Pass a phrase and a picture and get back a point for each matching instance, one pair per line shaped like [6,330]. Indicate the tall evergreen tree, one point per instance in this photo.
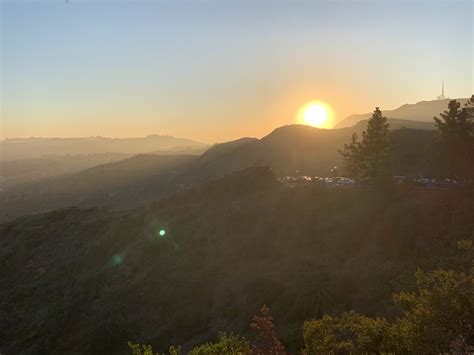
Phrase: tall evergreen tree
[351,153]
[456,135]
[376,144]
[370,157]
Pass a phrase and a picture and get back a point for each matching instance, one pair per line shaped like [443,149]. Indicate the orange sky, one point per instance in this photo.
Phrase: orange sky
[215,71]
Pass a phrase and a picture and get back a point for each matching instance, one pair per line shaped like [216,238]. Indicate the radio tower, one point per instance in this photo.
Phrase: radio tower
[442,97]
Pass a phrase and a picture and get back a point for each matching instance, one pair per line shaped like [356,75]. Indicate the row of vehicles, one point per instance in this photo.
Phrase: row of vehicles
[344,181]
[339,181]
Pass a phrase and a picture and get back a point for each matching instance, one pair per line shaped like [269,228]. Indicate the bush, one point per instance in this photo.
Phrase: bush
[227,345]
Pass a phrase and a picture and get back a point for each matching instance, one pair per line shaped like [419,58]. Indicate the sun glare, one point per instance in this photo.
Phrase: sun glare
[316,114]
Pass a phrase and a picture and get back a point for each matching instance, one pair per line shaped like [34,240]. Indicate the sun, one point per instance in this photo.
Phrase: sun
[316,114]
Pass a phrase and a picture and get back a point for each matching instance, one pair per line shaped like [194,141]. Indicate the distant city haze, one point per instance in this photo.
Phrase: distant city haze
[215,71]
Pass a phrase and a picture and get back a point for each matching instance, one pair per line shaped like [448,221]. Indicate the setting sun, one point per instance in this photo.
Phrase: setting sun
[316,114]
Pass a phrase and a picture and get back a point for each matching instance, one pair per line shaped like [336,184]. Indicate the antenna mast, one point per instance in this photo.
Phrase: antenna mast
[442,97]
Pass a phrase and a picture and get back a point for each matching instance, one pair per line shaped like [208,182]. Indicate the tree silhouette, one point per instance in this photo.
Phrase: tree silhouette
[351,153]
[456,135]
[369,158]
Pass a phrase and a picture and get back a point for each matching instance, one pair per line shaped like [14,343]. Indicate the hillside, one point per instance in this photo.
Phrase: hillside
[123,184]
[423,111]
[87,280]
[304,150]
[23,148]
[397,123]
[288,150]
[15,172]
[221,149]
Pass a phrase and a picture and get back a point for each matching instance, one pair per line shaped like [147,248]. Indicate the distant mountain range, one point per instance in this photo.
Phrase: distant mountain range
[23,148]
[423,111]
[416,116]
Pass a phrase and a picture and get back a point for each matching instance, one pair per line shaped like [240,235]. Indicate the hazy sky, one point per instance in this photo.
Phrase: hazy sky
[219,70]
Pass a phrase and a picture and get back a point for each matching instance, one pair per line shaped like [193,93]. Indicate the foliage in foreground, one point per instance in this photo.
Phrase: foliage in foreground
[437,318]
[352,332]
[227,344]
[266,341]
[139,349]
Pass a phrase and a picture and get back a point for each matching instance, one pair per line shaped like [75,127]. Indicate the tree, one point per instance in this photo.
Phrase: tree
[456,135]
[139,349]
[351,153]
[351,333]
[266,342]
[370,157]
[439,318]
[376,144]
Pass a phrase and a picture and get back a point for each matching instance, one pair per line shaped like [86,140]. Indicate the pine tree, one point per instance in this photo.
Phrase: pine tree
[376,145]
[351,153]
[370,157]
[456,135]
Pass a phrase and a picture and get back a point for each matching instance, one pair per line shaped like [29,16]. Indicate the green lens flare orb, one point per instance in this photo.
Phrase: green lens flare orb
[117,259]
[162,232]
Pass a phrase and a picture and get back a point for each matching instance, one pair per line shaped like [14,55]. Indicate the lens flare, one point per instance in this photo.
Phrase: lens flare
[117,259]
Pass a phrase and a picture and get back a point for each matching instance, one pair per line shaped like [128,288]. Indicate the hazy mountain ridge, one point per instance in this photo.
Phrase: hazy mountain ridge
[221,149]
[137,170]
[124,184]
[15,172]
[302,150]
[398,123]
[21,148]
[423,111]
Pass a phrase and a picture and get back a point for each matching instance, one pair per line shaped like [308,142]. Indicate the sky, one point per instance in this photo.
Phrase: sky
[220,70]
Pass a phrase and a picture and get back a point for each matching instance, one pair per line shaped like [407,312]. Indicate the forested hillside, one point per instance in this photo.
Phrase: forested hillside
[205,260]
